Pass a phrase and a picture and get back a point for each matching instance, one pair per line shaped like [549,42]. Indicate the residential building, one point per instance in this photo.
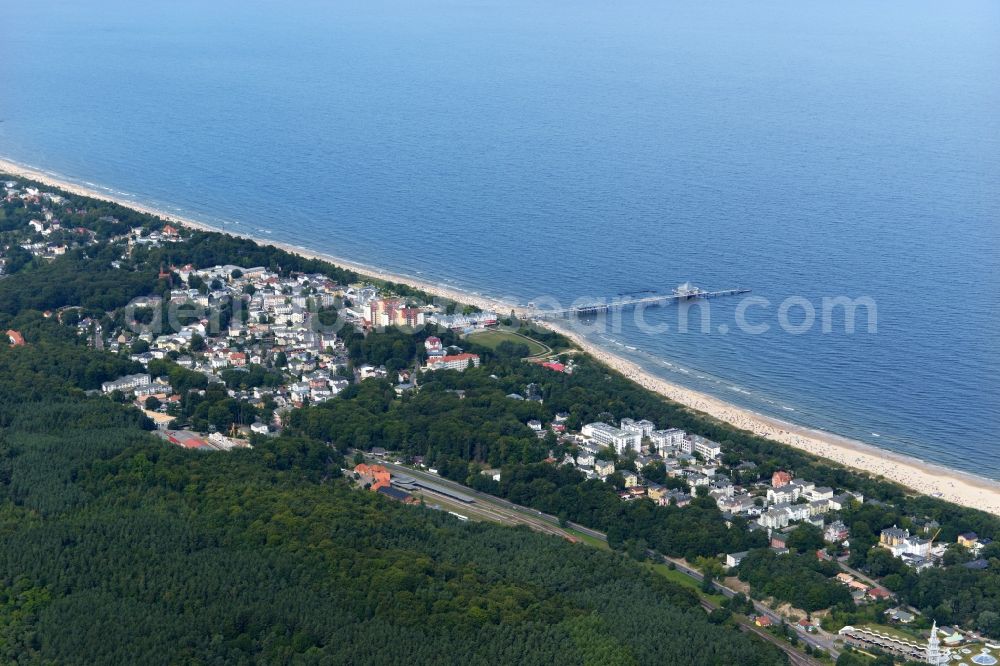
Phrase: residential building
[678,497]
[789,492]
[781,515]
[736,504]
[774,519]
[901,543]
[968,539]
[779,540]
[780,478]
[667,441]
[609,435]
[393,312]
[604,467]
[706,448]
[455,362]
[835,532]
[642,428]
[656,492]
[460,322]
[820,493]
[127,383]
[899,615]
[893,536]
[434,346]
[734,559]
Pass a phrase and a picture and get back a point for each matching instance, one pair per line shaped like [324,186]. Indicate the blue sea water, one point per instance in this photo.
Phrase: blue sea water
[546,148]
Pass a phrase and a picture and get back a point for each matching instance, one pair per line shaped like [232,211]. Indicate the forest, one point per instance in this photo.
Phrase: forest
[116,547]
[460,434]
[458,422]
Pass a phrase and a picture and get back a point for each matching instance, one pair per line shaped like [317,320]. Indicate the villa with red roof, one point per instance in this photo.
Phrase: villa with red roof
[455,362]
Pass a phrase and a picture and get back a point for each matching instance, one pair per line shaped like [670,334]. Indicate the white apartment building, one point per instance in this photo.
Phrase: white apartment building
[667,440]
[611,436]
[706,448]
[126,383]
[642,428]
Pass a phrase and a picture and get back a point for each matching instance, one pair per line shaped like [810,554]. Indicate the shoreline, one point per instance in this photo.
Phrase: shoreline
[922,477]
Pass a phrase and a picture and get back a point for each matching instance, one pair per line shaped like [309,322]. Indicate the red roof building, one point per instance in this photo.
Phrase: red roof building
[434,346]
[455,362]
[552,365]
[376,475]
[780,478]
[16,339]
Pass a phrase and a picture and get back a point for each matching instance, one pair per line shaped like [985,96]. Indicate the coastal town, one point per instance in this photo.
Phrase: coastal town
[225,355]
[500,334]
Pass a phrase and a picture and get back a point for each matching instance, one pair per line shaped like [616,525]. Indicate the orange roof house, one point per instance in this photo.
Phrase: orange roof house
[879,593]
[780,478]
[16,339]
[378,475]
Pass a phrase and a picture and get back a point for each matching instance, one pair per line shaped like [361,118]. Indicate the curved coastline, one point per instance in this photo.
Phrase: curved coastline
[926,478]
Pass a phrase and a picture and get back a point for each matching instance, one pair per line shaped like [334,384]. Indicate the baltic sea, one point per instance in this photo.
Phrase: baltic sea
[585,149]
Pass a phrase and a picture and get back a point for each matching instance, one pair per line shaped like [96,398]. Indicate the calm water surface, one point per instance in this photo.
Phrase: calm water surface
[566,149]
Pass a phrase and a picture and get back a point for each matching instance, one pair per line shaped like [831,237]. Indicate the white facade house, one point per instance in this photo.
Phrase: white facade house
[780,516]
[793,491]
[609,435]
[667,440]
[126,383]
[706,448]
[734,559]
[901,543]
[642,428]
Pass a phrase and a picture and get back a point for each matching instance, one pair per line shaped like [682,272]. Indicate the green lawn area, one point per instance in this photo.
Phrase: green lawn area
[683,579]
[587,539]
[892,631]
[492,338]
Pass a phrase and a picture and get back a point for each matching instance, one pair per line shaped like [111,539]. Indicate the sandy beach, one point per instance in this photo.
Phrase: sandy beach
[958,487]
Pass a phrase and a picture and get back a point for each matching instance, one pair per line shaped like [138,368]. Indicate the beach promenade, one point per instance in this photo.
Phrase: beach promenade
[965,489]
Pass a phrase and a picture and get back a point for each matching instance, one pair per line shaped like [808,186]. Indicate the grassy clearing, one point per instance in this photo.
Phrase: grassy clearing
[493,338]
[893,631]
[587,539]
[683,579]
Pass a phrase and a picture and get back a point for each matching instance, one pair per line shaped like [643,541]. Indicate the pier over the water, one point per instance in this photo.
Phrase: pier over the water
[685,292]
